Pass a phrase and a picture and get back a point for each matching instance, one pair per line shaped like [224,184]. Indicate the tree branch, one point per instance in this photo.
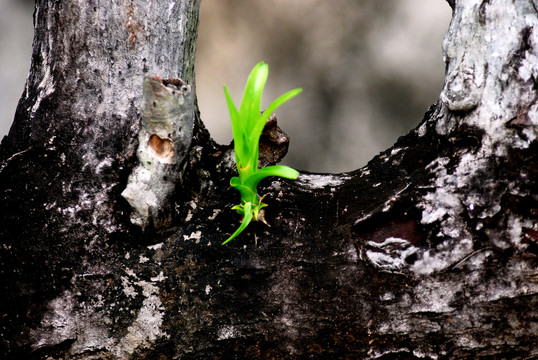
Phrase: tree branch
[430,251]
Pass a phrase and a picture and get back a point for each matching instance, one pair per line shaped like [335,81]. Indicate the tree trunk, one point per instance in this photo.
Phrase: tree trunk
[430,251]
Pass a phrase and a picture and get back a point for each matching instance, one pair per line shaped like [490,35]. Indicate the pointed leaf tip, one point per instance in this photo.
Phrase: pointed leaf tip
[246,220]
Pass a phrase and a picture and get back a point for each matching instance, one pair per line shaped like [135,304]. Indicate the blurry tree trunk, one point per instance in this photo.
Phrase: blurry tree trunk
[430,251]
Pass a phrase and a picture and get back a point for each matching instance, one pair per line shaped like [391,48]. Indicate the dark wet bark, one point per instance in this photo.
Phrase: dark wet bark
[430,251]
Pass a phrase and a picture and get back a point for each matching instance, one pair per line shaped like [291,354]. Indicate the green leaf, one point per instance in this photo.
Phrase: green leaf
[251,103]
[275,170]
[271,109]
[246,220]
[234,115]
[248,193]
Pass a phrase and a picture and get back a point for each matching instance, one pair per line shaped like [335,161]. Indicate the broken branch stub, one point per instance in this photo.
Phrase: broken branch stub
[164,140]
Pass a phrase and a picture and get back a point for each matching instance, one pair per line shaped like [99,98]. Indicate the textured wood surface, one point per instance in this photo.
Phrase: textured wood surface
[428,252]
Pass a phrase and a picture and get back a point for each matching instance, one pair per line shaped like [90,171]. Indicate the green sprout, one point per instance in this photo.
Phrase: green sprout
[247,127]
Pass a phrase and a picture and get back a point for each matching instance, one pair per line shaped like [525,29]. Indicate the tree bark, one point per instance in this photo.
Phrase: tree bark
[430,251]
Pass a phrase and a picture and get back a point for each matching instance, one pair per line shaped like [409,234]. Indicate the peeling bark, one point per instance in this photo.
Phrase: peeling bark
[430,251]
[164,141]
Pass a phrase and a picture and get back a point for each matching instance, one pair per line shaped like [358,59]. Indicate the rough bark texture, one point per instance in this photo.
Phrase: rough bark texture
[430,251]
[164,141]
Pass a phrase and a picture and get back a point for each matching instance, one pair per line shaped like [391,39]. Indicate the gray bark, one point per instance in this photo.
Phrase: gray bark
[164,141]
[430,251]
[66,161]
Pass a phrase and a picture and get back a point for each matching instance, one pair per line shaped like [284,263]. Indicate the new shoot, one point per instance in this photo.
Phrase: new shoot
[247,127]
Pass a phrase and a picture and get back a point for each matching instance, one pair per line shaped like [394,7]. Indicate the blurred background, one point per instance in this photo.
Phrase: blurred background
[369,69]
